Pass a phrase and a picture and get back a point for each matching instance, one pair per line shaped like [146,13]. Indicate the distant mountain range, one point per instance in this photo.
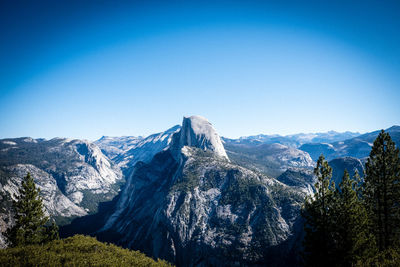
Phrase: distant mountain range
[358,147]
[185,194]
[294,140]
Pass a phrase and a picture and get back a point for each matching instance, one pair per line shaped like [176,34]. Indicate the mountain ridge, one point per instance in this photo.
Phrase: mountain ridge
[191,206]
[358,147]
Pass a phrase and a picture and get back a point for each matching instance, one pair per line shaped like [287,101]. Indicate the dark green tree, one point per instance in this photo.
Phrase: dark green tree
[352,240]
[382,191]
[52,232]
[30,218]
[317,212]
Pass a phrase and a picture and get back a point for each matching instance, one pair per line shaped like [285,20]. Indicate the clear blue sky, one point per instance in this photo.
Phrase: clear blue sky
[84,69]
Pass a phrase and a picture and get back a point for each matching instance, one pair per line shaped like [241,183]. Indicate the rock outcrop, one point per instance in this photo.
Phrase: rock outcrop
[73,175]
[191,206]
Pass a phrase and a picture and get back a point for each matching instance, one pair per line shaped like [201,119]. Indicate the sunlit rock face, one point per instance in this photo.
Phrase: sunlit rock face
[126,151]
[198,132]
[191,206]
[73,176]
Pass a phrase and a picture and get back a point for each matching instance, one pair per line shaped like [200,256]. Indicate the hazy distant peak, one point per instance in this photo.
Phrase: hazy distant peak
[393,128]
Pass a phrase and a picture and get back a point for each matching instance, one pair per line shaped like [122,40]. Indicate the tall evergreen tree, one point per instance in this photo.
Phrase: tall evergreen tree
[317,213]
[30,219]
[352,240]
[382,190]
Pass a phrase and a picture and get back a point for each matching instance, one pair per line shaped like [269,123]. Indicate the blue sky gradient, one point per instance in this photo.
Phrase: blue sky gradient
[84,69]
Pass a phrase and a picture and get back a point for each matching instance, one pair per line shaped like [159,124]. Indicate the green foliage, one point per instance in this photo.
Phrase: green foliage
[191,176]
[30,219]
[336,221]
[75,251]
[359,223]
[52,232]
[389,257]
[189,180]
[41,154]
[91,200]
[382,191]
[255,158]
[352,239]
[240,190]
[318,214]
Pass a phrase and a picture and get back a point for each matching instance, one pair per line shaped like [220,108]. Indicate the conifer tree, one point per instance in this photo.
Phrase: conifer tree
[352,240]
[52,232]
[382,190]
[30,219]
[317,212]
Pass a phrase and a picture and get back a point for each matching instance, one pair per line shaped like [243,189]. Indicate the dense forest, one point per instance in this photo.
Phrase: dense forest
[356,222]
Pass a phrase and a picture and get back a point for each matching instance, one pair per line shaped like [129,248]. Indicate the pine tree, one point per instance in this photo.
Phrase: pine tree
[352,240]
[317,212]
[52,232]
[382,192]
[30,219]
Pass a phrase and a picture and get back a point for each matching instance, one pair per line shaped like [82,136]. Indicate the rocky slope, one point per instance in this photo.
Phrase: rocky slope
[126,151]
[73,175]
[346,163]
[299,179]
[112,146]
[271,159]
[192,206]
[304,179]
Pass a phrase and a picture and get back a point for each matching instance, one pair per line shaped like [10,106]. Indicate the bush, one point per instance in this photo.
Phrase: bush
[78,250]
[388,257]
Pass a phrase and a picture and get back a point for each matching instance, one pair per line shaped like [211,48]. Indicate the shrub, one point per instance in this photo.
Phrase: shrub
[78,250]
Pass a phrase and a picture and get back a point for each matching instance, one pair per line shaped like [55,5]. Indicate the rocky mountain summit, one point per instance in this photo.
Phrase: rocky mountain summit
[198,132]
[192,206]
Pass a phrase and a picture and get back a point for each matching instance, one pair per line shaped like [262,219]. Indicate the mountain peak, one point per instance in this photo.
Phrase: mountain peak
[198,132]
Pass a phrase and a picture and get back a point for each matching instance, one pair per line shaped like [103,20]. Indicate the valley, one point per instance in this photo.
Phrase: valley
[185,195]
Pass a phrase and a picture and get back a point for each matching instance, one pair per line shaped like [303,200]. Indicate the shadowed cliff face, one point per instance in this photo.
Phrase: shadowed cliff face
[191,206]
[346,163]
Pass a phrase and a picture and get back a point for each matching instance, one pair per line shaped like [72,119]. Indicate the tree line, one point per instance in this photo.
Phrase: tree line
[355,223]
